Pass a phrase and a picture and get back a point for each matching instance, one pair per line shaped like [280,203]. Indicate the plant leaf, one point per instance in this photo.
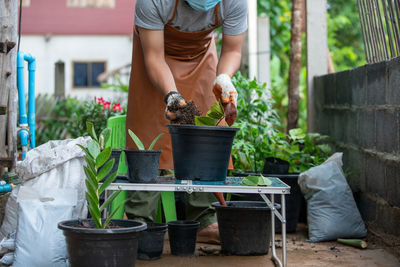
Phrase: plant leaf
[91,200]
[91,131]
[107,182]
[103,157]
[109,200]
[90,189]
[253,180]
[216,111]
[91,177]
[106,133]
[204,121]
[85,150]
[105,170]
[155,140]
[90,163]
[94,148]
[117,208]
[136,140]
[111,215]
[94,211]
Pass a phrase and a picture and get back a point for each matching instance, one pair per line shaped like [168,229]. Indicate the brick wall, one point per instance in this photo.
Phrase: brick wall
[360,109]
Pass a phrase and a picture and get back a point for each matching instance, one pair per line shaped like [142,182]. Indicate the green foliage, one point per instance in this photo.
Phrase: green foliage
[98,167]
[119,86]
[139,143]
[213,116]
[253,180]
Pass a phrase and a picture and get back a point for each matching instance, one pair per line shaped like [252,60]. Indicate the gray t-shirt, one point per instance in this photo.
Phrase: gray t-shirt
[154,14]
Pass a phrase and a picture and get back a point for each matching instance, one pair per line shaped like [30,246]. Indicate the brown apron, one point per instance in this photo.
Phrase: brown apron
[192,58]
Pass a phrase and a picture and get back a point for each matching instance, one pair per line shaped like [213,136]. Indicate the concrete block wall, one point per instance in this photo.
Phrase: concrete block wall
[360,109]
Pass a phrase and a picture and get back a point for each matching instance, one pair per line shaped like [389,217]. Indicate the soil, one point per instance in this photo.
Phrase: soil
[89,226]
[185,114]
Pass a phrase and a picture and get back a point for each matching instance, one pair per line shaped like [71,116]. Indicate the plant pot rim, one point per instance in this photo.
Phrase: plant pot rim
[137,151]
[183,223]
[266,207]
[156,227]
[201,127]
[67,226]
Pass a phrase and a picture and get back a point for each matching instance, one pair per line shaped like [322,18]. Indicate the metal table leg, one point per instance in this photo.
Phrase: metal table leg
[282,218]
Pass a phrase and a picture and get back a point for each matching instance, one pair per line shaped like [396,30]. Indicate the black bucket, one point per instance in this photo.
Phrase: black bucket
[89,247]
[182,237]
[151,241]
[276,166]
[244,227]
[115,154]
[201,152]
[142,165]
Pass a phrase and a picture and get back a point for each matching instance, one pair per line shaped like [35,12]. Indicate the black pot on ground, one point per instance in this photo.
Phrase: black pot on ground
[113,247]
[201,152]
[276,166]
[151,241]
[244,227]
[142,165]
[182,237]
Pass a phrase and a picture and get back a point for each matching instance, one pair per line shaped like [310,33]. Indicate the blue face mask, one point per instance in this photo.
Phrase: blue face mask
[203,5]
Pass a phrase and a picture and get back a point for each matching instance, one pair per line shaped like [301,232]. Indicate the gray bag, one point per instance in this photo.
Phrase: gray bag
[331,210]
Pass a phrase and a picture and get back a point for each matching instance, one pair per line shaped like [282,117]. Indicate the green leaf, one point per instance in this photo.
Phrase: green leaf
[90,162]
[155,140]
[122,204]
[109,200]
[96,216]
[107,182]
[204,121]
[297,134]
[91,190]
[106,133]
[136,140]
[105,170]
[103,157]
[84,150]
[91,177]
[92,200]
[112,215]
[94,149]
[253,180]
[91,131]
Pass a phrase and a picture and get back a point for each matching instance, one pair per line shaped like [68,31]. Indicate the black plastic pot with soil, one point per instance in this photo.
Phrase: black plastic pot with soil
[151,241]
[142,165]
[182,237]
[115,246]
[244,227]
[201,152]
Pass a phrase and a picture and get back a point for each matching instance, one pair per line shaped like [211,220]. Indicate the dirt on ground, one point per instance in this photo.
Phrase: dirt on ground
[299,253]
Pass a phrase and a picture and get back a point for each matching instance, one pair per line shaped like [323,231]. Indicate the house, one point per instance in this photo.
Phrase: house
[75,41]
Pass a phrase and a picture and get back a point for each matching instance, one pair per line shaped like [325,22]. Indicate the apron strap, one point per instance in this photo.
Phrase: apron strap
[173,15]
[216,10]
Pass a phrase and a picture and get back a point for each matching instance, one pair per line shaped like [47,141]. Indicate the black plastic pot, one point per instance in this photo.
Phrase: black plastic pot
[244,227]
[276,166]
[142,165]
[151,241]
[113,247]
[115,154]
[182,237]
[201,152]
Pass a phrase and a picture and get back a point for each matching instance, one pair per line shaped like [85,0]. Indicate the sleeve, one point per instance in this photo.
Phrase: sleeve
[235,21]
[147,15]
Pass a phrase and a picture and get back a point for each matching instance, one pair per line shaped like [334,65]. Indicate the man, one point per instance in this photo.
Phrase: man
[175,58]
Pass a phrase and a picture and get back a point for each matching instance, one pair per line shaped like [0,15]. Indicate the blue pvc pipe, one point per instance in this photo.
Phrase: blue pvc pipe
[23,118]
[31,96]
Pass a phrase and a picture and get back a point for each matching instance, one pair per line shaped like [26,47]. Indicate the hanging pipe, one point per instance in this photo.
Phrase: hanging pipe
[26,124]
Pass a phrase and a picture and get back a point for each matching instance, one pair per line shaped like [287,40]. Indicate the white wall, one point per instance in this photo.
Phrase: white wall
[114,50]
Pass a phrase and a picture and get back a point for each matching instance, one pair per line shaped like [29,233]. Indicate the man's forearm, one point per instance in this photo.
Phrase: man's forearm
[229,63]
[160,75]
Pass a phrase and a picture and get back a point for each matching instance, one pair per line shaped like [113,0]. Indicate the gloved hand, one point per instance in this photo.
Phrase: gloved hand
[173,100]
[225,92]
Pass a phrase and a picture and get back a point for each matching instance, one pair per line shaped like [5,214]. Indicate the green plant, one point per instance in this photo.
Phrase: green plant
[119,86]
[98,166]
[139,143]
[259,180]
[213,116]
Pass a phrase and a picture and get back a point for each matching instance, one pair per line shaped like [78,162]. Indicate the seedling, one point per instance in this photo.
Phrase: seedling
[213,116]
[139,143]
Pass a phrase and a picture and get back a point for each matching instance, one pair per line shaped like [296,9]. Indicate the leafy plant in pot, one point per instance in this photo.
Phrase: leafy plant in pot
[142,163]
[97,241]
[202,151]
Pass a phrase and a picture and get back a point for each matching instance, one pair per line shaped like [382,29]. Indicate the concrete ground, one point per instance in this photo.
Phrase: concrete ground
[299,253]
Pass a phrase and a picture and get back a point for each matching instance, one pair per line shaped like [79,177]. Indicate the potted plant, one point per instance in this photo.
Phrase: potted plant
[142,163]
[202,151]
[97,241]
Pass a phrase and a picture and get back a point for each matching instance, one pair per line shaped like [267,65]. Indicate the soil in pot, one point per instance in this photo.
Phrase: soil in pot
[182,237]
[151,241]
[185,114]
[142,165]
[112,247]
[244,227]
[201,152]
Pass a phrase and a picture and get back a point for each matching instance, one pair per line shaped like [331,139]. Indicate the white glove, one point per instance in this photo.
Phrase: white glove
[225,92]
[173,99]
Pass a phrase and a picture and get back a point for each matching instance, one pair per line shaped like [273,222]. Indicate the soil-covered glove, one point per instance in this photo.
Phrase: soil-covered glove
[225,92]
[174,101]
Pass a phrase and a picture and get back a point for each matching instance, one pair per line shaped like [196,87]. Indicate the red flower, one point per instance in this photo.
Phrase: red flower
[117,107]
[100,101]
[106,105]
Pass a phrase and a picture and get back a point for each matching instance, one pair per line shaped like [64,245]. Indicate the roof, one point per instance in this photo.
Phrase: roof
[54,17]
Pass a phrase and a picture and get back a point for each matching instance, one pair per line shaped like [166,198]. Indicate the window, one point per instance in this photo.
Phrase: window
[85,73]
[91,3]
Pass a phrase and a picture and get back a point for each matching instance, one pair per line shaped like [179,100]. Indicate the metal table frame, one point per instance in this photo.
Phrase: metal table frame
[189,186]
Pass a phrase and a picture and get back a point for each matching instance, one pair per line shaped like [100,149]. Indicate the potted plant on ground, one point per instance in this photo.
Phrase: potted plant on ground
[142,163]
[202,151]
[97,241]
